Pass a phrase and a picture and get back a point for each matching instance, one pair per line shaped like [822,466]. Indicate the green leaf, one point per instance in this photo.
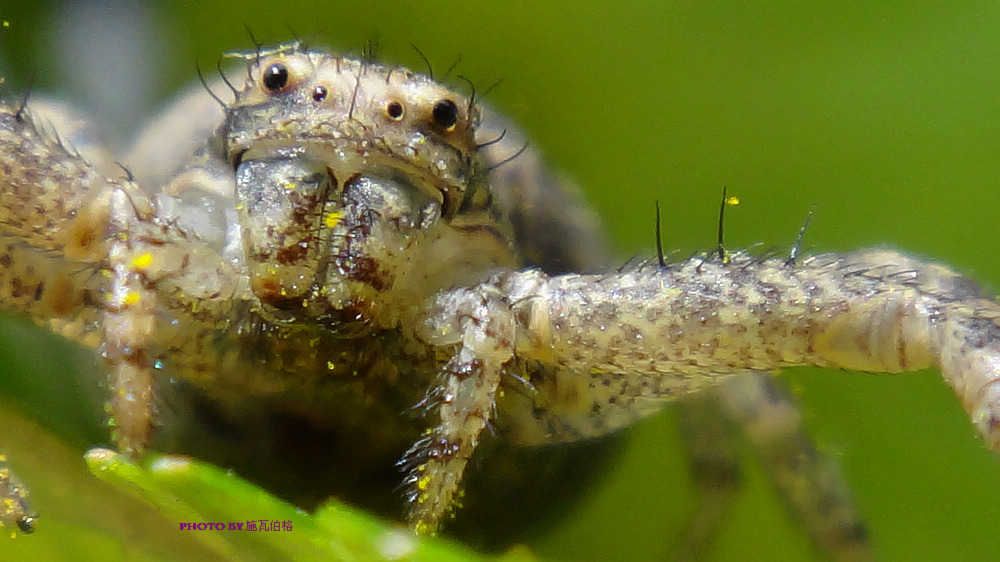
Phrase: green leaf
[209,504]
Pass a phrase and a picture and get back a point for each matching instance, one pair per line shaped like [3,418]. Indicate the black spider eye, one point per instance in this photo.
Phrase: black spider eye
[275,77]
[446,114]
[319,93]
[394,110]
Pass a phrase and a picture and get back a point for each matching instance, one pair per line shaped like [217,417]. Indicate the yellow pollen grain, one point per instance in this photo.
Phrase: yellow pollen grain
[132,298]
[332,219]
[732,201]
[142,261]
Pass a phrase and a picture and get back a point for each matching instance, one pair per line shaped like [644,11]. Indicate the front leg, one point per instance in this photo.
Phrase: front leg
[625,343]
[162,281]
[690,324]
[89,257]
[479,324]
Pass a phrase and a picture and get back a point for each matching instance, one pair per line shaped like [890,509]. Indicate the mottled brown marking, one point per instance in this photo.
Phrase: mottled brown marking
[291,254]
[369,271]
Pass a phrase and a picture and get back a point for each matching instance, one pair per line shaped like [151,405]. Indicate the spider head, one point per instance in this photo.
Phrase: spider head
[354,183]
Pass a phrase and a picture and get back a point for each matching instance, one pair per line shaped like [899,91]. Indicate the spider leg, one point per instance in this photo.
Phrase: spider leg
[14,510]
[482,322]
[809,481]
[75,241]
[713,455]
[129,323]
[695,324]
[642,337]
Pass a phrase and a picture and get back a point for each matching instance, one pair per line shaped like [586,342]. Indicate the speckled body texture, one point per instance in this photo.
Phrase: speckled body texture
[343,241]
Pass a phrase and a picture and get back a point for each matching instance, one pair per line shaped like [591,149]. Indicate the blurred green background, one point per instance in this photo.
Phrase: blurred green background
[881,117]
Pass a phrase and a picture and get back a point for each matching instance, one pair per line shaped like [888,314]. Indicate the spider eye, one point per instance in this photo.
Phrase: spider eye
[446,114]
[275,77]
[394,110]
[319,93]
